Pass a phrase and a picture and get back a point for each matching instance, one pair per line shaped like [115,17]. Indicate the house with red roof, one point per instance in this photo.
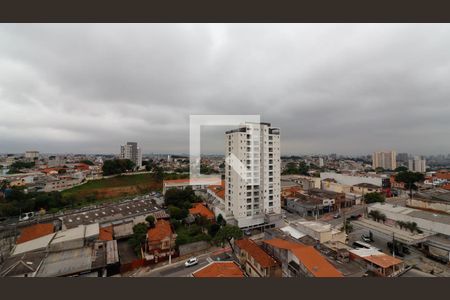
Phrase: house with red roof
[198,209]
[255,261]
[299,260]
[161,240]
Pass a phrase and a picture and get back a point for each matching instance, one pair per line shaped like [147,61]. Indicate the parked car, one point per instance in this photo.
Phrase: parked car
[336,216]
[191,262]
[248,232]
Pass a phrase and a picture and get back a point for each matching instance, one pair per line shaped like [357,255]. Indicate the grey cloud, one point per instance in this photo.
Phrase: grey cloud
[345,88]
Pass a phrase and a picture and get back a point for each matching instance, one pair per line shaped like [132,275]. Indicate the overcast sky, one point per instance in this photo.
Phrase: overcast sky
[349,88]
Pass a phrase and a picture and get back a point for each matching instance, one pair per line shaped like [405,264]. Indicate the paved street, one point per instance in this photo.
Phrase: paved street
[177,269]
[354,210]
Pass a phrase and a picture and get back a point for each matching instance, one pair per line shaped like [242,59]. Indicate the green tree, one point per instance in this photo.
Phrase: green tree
[19,165]
[220,220]
[213,229]
[87,162]
[117,166]
[226,234]
[401,169]
[377,216]
[348,227]
[148,164]
[180,198]
[409,179]
[303,168]
[159,173]
[139,237]
[150,220]
[291,168]
[374,197]
[177,213]
[379,170]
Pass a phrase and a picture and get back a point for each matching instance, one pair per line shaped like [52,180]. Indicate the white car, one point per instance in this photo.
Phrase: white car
[191,262]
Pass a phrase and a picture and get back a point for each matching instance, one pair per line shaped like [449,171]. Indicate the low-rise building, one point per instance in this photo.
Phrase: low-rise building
[320,231]
[161,240]
[365,188]
[23,265]
[255,261]
[198,209]
[437,199]
[309,205]
[75,238]
[61,183]
[378,262]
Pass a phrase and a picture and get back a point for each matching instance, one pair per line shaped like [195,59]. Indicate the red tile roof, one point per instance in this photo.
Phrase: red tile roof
[446,186]
[315,263]
[443,175]
[82,166]
[161,231]
[200,209]
[219,269]
[218,190]
[258,254]
[106,233]
[383,260]
[34,231]
[309,257]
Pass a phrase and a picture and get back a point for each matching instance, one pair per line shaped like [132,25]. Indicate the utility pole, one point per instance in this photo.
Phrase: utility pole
[345,221]
[170,248]
[393,244]
[364,204]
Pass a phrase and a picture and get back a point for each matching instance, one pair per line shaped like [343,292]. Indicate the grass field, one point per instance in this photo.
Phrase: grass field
[109,188]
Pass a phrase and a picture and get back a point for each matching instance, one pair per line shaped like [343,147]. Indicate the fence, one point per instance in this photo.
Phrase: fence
[193,247]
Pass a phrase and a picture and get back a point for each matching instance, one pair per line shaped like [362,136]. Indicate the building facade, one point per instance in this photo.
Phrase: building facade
[32,155]
[252,173]
[386,160]
[417,164]
[132,152]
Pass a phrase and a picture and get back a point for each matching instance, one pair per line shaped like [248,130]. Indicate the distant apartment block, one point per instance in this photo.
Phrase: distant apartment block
[386,160]
[402,157]
[417,164]
[252,193]
[31,155]
[132,152]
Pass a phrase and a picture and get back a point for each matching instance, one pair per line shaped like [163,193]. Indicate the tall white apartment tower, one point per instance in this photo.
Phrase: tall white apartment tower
[132,152]
[252,174]
[386,160]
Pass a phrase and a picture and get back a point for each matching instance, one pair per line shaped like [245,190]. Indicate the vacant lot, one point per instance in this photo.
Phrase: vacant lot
[115,187]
